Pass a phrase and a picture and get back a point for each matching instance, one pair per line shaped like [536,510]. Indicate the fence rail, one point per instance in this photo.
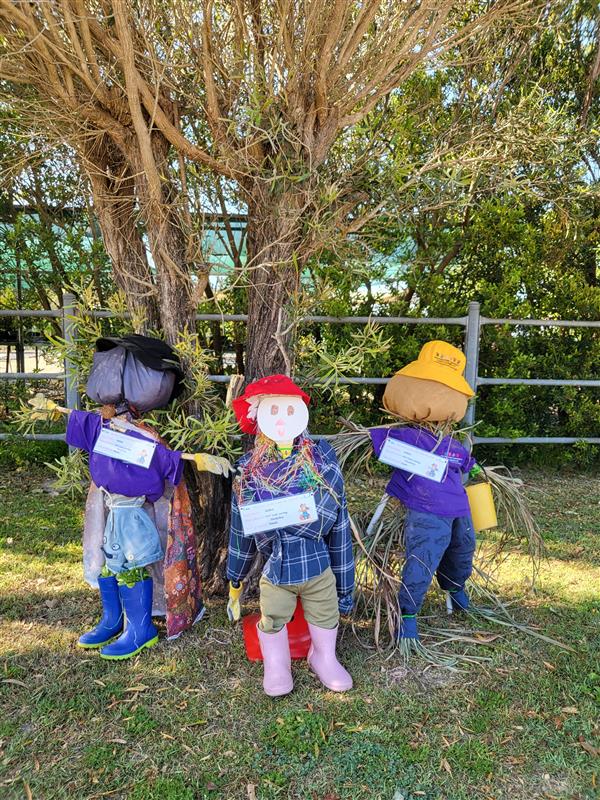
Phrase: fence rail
[473,323]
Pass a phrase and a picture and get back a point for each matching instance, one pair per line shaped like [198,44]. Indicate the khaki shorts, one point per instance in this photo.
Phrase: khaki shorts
[319,601]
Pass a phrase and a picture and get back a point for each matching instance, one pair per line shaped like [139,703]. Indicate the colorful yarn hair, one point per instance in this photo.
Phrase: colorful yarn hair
[300,469]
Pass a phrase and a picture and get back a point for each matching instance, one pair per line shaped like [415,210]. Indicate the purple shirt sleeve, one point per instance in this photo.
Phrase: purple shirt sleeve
[468,463]
[83,428]
[171,464]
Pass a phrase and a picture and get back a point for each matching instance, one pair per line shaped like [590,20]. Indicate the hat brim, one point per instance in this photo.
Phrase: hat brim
[429,372]
[241,406]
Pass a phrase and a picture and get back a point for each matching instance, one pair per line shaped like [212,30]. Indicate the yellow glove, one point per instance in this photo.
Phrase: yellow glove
[42,408]
[206,463]
[234,611]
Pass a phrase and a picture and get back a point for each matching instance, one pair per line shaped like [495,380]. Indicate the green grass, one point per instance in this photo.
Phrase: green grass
[188,720]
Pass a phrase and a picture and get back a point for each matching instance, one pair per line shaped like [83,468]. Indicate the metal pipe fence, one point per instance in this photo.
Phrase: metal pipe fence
[472,323]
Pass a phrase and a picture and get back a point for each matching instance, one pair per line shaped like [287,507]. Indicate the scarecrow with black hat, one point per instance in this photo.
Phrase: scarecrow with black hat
[137,489]
[289,503]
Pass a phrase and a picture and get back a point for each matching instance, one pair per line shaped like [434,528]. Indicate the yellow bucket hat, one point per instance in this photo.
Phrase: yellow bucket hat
[440,362]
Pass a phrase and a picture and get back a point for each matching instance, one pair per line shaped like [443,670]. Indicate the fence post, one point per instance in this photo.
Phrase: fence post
[472,339]
[69,326]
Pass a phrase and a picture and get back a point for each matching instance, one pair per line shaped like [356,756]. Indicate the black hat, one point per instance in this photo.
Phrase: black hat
[153,353]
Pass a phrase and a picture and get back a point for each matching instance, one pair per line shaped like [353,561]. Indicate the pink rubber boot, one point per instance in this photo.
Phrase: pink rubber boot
[277,662]
[323,662]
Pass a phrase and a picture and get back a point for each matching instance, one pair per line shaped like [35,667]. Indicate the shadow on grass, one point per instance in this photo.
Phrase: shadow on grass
[52,543]
[71,608]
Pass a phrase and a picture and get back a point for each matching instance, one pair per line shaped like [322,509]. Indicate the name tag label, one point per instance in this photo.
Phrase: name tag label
[414,460]
[125,448]
[267,515]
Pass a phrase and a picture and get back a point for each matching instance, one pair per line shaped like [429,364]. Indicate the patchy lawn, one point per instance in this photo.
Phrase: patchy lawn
[188,720]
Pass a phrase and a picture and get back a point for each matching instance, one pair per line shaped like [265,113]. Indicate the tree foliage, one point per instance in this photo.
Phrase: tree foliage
[390,164]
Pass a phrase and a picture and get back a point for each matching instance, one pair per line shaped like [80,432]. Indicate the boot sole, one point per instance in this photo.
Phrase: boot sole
[149,643]
[100,644]
[333,688]
[282,693]
[327,686]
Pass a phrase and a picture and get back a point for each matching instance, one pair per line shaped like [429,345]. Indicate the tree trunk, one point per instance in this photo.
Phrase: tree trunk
[274,231]
[166,238]
[210,496]
[177,310]
[113,191]
[122,198]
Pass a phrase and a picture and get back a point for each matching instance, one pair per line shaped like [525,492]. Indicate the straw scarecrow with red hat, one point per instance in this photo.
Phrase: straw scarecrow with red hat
[289,503]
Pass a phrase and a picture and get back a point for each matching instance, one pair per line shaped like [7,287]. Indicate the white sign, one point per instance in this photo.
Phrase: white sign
[414,460]
[267,515]
[125,448]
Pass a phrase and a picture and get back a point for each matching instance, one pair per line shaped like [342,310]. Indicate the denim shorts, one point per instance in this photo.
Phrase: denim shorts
[130,537]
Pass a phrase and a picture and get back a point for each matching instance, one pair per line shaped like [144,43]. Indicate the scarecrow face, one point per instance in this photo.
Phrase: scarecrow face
[282,417]
[419,400]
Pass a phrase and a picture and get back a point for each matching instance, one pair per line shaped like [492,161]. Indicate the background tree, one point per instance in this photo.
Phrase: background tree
[375,147]
[50,237]
[270,86]
[504,211]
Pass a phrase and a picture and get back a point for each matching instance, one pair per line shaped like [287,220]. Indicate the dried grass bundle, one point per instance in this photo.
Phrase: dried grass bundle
[353,448]
[518,524]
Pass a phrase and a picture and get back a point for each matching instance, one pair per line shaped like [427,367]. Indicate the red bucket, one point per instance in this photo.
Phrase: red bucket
[298,635]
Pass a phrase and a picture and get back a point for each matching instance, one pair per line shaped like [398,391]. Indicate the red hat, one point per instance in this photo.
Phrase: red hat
[271,385]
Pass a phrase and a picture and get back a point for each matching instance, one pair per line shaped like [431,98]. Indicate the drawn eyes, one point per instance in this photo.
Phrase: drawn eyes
[275,410]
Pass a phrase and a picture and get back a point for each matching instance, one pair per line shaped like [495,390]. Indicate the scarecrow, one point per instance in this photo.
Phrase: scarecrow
[429,469]
[138,528]
[436,500]
[289,504]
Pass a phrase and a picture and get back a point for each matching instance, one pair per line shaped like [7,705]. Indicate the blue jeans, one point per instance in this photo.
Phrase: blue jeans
[443,546]
[130,537]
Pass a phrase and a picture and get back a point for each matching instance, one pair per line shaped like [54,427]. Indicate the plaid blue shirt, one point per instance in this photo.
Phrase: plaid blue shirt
[301,552]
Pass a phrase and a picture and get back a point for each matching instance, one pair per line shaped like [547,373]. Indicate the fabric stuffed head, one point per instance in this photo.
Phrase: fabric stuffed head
[432,388]
[136,372]
[275,406]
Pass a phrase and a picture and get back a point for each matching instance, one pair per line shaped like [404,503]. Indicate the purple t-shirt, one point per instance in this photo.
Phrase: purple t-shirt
[119,477]
[446,499]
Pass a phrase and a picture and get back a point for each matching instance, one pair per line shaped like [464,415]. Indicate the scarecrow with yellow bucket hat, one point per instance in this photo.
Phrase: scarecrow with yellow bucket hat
[425,524]
[429,467]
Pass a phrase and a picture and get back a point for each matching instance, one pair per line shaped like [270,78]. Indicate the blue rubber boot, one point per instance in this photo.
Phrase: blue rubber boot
[139,629]
[459,600]
[112,620]
[408,627]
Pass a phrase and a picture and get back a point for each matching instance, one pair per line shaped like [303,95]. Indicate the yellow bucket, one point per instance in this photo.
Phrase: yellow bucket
[481,502]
